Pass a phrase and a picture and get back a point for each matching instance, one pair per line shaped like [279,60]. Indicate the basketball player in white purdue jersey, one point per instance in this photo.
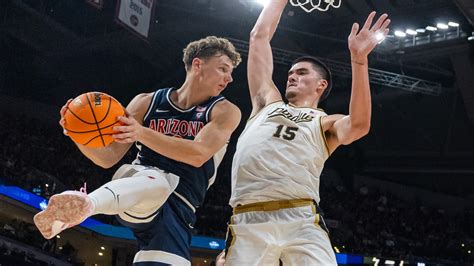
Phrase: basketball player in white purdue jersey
[282,150]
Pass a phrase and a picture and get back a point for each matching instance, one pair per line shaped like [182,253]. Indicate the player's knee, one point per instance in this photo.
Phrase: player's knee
[159,184]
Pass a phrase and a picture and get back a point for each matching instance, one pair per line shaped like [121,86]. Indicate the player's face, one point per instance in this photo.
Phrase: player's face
[216,73]
[303,81]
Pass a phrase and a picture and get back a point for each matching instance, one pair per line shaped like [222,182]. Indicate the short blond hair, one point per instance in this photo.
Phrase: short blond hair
[209,47]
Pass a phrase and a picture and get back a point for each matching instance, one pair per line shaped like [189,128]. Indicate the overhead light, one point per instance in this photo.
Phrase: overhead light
[411,32]
[453,24]
[400,34]
[102,248]
[442,26]
[101,254]
[58,236]
[263,2]
[431,28]
[421,30]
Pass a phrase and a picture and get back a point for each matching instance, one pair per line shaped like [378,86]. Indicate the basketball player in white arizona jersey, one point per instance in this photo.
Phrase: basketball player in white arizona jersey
[282,150]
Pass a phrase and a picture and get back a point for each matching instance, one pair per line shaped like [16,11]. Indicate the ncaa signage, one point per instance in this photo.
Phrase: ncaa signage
[136,15]
[214,245]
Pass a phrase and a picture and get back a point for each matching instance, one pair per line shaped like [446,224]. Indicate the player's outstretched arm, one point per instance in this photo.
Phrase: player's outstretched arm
[225,118]
[108,156]
[343,130]
[260,61]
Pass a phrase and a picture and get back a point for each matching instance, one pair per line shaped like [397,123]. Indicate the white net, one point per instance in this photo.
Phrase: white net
[311,5]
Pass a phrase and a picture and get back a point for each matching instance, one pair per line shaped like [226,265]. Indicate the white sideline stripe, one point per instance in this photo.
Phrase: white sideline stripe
[185,201]
[160,256]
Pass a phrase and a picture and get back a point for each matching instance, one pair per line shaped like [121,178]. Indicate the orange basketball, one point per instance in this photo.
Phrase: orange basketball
[90,118]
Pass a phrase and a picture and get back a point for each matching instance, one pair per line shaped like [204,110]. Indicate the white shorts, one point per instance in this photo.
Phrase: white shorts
[145,211]
[290,231]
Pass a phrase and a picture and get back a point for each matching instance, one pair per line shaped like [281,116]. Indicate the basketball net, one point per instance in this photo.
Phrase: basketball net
[311,5]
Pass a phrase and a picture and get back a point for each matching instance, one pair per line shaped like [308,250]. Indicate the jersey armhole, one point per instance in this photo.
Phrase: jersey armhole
[323,134]
[150,107]
[209,110]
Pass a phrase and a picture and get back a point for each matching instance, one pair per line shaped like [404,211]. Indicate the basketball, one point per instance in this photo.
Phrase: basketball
[90,118]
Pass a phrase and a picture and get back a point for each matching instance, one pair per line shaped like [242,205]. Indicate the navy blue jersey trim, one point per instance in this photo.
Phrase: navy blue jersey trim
[212,106]
[175,106]
[151,106]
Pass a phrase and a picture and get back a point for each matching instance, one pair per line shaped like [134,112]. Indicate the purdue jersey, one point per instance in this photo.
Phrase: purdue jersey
[165,117]
[279,155]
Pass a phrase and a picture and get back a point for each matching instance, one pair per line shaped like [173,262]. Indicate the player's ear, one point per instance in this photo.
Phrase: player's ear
[322,84]
[196,63]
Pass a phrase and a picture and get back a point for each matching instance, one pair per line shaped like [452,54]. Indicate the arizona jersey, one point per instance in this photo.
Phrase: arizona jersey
[167,118]
[279,155]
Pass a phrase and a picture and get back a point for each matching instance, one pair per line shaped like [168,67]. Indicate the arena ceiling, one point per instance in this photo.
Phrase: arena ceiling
[53,50]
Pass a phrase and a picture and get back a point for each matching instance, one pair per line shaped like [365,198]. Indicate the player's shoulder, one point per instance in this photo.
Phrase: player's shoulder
[144,96]
[327,121]
[226,108]
[140,103]
[226,105]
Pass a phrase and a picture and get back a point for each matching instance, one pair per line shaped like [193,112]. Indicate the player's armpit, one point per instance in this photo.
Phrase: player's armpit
[339,130]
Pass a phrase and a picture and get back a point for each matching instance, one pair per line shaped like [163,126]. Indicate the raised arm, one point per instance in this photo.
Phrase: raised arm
[343,130]
[260,61]
[110,155]
[225,118]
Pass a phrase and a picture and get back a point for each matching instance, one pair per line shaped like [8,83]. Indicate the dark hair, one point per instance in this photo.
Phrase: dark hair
[319,67]
[208,47]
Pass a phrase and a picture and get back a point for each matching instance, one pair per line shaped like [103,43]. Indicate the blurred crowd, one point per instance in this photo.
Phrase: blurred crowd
[38,157]
[16,230]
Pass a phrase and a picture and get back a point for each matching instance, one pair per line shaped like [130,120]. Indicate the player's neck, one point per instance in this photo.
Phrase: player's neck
[188,95]
[303,103]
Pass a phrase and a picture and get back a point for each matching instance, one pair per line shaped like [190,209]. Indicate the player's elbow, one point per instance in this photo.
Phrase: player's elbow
[355,132]
[359,131]
[258,34]
[106,164]
[363,129]
[199,158]
[197,161]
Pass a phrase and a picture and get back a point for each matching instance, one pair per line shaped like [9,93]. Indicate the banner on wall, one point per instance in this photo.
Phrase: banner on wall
[136,15]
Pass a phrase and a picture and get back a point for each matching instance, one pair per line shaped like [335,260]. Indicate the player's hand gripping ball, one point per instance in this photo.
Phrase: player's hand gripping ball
[90,118]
